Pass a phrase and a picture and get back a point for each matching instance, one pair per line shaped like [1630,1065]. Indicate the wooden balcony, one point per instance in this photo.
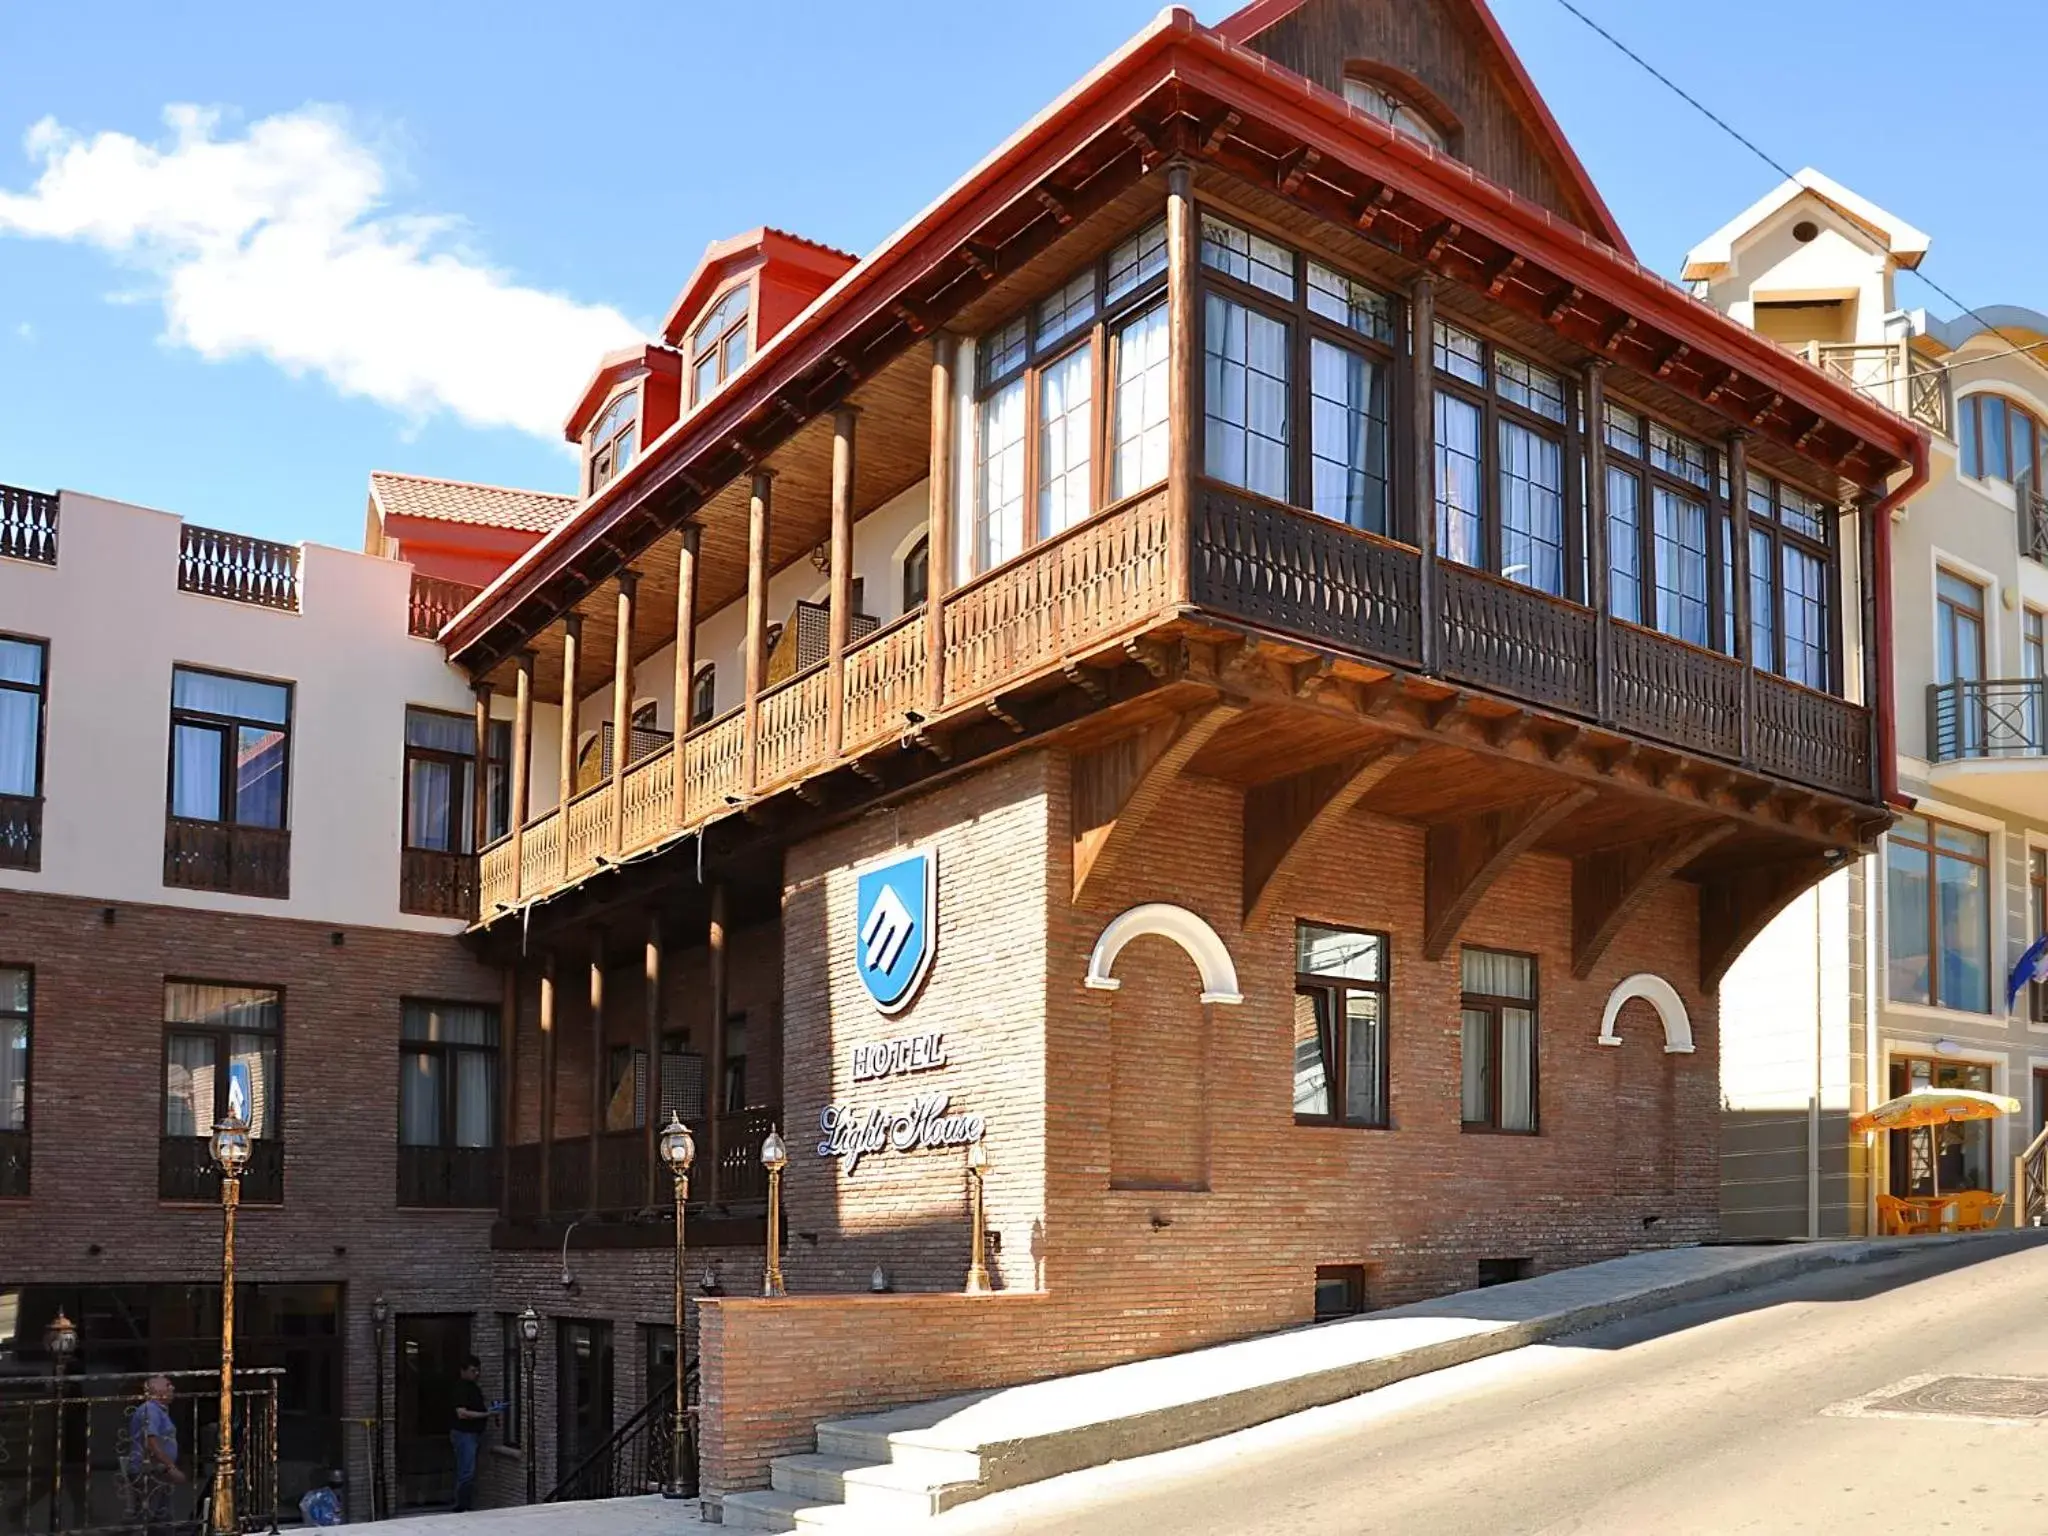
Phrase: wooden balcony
[238,568]
[28,525]
[434,602]
[220,856]
[436,884]
[448,1177]
[186,1171]
[1252,563]
[626,1187]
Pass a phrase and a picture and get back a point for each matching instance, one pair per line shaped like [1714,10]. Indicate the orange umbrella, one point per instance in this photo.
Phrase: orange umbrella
[1930,1107]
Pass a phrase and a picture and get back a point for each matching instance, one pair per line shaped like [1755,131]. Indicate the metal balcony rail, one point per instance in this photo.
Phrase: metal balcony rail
[238,568]
[28,525]
[635,1459]
[2000,717]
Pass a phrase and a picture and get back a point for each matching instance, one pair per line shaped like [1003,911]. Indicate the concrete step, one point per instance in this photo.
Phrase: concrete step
[763,1510]
[900,1492]
[855,1440]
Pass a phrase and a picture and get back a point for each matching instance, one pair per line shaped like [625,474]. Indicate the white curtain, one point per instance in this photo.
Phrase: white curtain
[1517,1070]
[999,505]
[1460,536]
[1476,1053]
[188,1085]
[419,1100]
[1245,400]
[1142,372]
[20,721]
[13,1074]
[195,772]
[475,1075]
[1532,509]
[429,807]
[1067,409]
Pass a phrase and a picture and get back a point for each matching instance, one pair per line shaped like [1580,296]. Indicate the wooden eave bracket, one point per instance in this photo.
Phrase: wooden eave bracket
[1737,905]
[1287,819]
[1464,858]
[1116,790]
[1610,886]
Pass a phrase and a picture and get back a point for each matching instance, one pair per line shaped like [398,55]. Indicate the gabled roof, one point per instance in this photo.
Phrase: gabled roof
[1901,241]
[458,501]
[725,259]
[614,367]
[1246,23]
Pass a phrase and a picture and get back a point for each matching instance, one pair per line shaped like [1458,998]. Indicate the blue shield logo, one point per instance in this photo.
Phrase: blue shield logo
[895,921]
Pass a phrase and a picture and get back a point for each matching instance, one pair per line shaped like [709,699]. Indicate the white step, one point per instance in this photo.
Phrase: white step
[936,1464]
[903,1493]
[762,1510]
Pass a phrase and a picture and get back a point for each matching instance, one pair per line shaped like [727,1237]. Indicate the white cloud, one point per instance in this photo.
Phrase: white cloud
[278,242]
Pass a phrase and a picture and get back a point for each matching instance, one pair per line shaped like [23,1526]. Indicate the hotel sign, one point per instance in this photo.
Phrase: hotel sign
[895,927]
[850,1134]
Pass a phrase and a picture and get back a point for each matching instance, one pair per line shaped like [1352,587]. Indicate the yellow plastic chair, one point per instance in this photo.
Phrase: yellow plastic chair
[1900,1218]
[1977,1210]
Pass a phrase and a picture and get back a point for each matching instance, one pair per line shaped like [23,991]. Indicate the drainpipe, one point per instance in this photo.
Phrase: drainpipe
[1881,535]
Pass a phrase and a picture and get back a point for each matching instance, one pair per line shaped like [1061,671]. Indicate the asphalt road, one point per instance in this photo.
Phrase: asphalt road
[1727,1416]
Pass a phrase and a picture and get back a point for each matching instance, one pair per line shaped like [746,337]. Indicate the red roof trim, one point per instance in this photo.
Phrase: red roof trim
[1243,25]
[617,366]
[725,260]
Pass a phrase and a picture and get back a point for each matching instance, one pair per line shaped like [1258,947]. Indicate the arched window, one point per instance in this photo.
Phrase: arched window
[704,695]
[917,574]
[719,344]
[2002,440]
[613,439]
[1394,109]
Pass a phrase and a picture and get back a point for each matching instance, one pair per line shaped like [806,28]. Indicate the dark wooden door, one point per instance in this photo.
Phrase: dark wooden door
[583,1392]
[430,1351]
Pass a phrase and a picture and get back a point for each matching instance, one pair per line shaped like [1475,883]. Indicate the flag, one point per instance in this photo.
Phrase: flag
[2032,966]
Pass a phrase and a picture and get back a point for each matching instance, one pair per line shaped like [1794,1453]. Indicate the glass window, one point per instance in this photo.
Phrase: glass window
[1136,262]
[613,437]
[1247,257]
[1348,436]
[1532,388]
[210,1029]
[1143,370]
[512,1379]
[1350,303]
[1498,1039]
[230,748]
[1390,108]
[1677,455]
[1938,902]
[1340,1023]
[1460,479]
[1067,310]
[1066,431]
[718,346]
[1460,354]
[1624,545]
[1949,1158]
[16,989]
[447,1075]
[1532,508]
[21,723]
[1624,431]
[917,575]
[1680,550]
[1804,579]
[1244,398]
[440,753]
[704,695]
[498,782]
[999,474]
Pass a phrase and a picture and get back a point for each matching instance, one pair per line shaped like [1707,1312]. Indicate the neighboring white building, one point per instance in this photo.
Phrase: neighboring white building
[1893,974]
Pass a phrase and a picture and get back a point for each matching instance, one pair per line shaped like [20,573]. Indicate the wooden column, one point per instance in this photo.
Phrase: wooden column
[714,1087]
[480,767]
[686,652]
[522,750]
[622,709]
[1599,560]
[549,1063]
[508,1082]
[757,617]
[1738,560]
[841,616]
[572,654]
[597,1070]
[657,1026]
[1422,405]
[1182,382]
[1866,626]
[939,519]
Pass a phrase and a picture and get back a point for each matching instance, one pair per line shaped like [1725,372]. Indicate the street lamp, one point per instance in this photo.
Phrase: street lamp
[529,1338]
[231,1154]
[678,1151]
[61,1340]
[775,1158]
[977,1264]
[380,1316]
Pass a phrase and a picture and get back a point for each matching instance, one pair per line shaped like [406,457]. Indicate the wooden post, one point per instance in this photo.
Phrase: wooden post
[549,1062]
[508,1082]
[572,649]
[650,1122]
[622,709]
[597,1072]
[522,749]
[1599,560]
[1738,561]
[479,774]
[939,519]
[757,618]
[714,1089]
[841,615]
[1182,381]
[1422,403]
[686,654]
[1866,625]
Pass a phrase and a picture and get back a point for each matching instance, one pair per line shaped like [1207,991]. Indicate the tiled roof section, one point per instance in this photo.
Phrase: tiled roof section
[816,245]
[457,501]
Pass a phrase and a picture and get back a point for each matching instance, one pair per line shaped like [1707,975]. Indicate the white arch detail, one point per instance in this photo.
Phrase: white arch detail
[1202,943]
[1660,995]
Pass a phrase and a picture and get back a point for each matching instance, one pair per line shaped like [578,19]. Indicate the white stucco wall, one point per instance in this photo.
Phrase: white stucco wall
[116,623]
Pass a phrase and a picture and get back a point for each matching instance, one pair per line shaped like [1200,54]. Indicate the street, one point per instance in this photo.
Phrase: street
[1707,1418]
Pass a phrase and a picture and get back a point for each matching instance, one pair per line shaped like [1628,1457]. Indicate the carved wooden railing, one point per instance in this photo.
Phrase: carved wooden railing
[740,1134]
[2030,1183]
[540,854]
[434,602]
[437,884]
[885,681]
[1677,693]
[587,830]
[237,567]
[220,856]
[446,1177]
[28,525]
[496,867]
[21,832]
[793,725]
[713,762]
[1076,590]
[1517,641]
[1291,571]
[1815,738]
[650,798]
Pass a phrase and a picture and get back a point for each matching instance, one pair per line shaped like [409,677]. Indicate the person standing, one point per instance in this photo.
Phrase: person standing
[151,1458]
[467,1431]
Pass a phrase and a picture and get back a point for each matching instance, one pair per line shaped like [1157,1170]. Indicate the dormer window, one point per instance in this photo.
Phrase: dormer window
[1393,109]
[614,439]
[718,347]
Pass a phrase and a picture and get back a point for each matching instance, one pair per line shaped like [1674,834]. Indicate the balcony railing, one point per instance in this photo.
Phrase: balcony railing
[220,856]
[1998,717]
[434,602]
[238,568]
[185,1170]
[2033,524]
[21,832]
[1890,373]
[436,884]
[14,1165]
[626,1186]
[28,525]
[443,1177]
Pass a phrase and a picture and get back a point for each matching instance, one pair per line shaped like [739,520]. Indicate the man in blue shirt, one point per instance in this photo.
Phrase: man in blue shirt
[151,1460]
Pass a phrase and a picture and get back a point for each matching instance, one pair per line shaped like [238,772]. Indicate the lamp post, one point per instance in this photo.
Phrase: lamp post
[380,1317]
[977,1264]
[231,1154]
[529,1338]
[678,1151]
[61,1340]
[775,1158]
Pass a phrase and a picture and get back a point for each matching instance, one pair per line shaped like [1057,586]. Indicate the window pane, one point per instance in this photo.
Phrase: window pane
[1964,926]
[1806,618]
[439,732]
[1311,1071]
[1993,444]
[21,717]
[257,1055]
[1677,455]
[220,1006]
[13,1074]
[1348,436]
[1624,545]
[1460,354]
[1247,257]
[450,1023]
[1067,414]
[1496,973]
[704,377]
[1245,397]
[1681,564]
[734,358]
[1517,1069]
[1067,310]
[1336,952]
[1762,652]
[1142,373]
[430,816]
[1972,465]
[999,499]
[1953,839]
[419,1099]
[1460,534]
[1906,920]
[1532,509]
[1004,352]
[188,1085]
[1137,260]
[195,771]
[1362,1100]
[1624,431]
[20,662]
[1803,513]
[13,991]
[476,1098]
[259,777]
[1528,386]
[1476,1065]
[210,693]
[1337,297]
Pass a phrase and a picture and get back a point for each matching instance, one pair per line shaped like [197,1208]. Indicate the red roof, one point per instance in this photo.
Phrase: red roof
[458,501]
[723,259]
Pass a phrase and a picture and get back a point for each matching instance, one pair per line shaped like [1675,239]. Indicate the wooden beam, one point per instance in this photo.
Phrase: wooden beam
[1611,337]
[522,758]
[1736,906]
[1217,131]
[1561,301]
[686,658]
[1672,359]
[1610,886]
[1464,858]
[1374,204]
[758,512]
[1183,379]
[1287,820]
[1502,274]
[1118,788]
[939,518]
[1441,240]
[622,711]
[1295,167]
[839,615]
[1056,203]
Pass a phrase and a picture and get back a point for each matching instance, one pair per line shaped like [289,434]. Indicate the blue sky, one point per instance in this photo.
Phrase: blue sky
[238,313]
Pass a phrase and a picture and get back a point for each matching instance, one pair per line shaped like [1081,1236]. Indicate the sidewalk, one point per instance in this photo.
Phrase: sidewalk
[606,1517]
